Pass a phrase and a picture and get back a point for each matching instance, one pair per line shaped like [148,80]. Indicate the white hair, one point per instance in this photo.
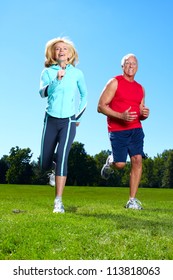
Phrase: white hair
[126,57]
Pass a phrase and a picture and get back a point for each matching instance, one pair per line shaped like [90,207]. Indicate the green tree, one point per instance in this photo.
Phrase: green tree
[167,180]
[39,177]
[77,173]
[3,169]
[20,170]
[91,171]
[125,175]
[158,171]
[147,179]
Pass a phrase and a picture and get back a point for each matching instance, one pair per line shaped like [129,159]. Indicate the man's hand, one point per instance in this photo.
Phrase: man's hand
[144,111]
[129,116]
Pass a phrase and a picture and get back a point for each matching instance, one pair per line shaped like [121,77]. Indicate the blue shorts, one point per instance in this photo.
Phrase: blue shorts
[127,142]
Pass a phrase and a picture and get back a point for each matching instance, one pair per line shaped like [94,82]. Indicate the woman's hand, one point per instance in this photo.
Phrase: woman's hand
[60,74]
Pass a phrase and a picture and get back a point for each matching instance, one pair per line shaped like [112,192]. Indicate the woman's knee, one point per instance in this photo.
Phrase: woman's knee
[45,165]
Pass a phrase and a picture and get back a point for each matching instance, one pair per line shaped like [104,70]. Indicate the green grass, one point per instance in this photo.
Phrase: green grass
[96,226]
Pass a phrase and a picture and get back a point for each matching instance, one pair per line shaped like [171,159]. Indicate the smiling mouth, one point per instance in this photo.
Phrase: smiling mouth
[61,57]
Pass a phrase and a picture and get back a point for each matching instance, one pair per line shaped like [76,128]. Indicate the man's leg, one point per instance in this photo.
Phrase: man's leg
[135,175]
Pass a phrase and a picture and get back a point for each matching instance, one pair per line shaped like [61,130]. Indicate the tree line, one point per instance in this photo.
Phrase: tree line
[84,170]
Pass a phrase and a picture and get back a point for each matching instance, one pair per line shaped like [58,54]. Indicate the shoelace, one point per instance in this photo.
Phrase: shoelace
[137,201]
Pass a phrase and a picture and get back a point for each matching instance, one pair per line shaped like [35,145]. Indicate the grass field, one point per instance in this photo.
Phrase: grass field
[96,226]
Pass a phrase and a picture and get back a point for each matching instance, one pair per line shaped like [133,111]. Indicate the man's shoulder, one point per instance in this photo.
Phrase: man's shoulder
[119,77]
[138,84]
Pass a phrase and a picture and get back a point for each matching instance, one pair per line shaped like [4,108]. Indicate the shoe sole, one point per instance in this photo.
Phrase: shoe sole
[102,171]
[133,208]
[62,212]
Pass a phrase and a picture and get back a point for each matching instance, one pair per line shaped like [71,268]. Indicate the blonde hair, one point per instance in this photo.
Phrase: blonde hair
[50,48]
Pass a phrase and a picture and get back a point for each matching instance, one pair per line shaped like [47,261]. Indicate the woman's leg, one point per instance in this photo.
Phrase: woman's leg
[48,142]
[65,140]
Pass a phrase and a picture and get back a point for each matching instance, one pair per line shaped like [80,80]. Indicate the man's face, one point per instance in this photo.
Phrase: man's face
[130,66]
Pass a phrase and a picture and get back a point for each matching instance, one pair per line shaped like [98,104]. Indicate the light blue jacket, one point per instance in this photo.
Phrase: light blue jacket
[62,93]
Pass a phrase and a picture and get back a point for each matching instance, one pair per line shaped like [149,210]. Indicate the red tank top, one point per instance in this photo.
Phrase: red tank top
[127,94]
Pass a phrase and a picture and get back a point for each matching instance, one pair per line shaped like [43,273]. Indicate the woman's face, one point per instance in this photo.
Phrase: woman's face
[61,52]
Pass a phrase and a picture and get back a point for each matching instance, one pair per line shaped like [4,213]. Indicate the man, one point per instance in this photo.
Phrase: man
[123,102]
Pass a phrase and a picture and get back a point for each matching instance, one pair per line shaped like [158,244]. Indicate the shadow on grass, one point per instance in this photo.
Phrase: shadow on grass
[71,209]
[159,210]
[133,220]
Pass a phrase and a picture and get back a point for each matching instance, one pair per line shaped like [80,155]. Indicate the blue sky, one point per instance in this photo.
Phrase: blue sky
[103,32]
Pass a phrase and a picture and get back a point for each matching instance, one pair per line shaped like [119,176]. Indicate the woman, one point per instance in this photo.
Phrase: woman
[60,81]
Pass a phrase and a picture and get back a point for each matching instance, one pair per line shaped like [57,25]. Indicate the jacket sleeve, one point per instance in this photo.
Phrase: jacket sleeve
[83,96]
[47,85]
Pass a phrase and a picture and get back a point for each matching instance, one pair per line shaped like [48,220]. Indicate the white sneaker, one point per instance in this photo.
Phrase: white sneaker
[109,160]
[58,206]
[134,203]
[52,178]
[106,170]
